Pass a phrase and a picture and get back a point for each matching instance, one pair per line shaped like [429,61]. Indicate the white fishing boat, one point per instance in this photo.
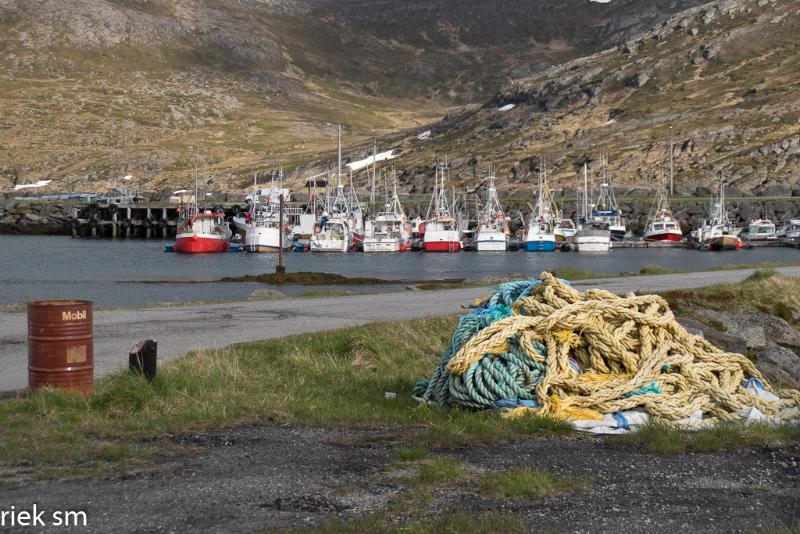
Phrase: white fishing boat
[442,232]
[544,220]
[605,212]
[789,230]
[390,231]
[333,232]
[717,231]
[493,228]
[261,224]
[591,235]
[661,224]
[760,230]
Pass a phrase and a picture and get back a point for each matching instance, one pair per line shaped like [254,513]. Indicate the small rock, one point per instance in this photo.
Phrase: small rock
[266,294]
[638,80]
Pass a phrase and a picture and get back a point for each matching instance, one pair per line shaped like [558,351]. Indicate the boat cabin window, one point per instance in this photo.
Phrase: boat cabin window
[658,227]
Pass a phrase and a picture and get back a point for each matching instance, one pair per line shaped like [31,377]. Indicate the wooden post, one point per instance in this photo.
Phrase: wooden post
[280,269]
[114,225]
[142,358]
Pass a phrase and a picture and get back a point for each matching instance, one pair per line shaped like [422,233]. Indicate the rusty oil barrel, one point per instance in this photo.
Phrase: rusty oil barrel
[60,345]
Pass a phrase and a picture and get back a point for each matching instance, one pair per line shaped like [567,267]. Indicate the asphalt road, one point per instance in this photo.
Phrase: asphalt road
[183,328]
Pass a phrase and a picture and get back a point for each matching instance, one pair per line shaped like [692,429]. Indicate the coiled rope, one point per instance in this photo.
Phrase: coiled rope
[582,355]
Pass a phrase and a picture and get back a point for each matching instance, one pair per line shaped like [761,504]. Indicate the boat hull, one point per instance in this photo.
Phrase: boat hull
[491,246]
[329,245]
[441,241]
[592,241]
[382,246]
[441,246]
[544,245]
[618,234]
[200,244]
[491,242]
[664,236]
[727,242]
[592,246]
[264,239]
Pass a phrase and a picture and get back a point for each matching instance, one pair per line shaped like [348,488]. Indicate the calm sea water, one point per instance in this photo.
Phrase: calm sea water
[111,273]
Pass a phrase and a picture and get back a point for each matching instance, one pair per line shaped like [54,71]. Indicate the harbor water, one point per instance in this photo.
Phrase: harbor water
[122,272]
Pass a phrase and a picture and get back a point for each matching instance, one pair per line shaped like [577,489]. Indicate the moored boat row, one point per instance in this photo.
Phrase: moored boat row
[336,222]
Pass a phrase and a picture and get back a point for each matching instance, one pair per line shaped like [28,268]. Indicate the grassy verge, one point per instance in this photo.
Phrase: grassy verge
[330,379]
[764,290]
[663,439]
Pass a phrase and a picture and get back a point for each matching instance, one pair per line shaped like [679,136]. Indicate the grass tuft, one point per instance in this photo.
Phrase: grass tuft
[761,274]
[410,454]
[442,471]
[527,483]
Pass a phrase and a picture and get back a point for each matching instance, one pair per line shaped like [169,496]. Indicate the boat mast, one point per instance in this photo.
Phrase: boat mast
[671,190]
[585,205]
[339,150]
[374,171]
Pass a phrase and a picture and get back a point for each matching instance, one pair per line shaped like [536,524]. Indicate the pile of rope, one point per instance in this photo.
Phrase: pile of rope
[579,356]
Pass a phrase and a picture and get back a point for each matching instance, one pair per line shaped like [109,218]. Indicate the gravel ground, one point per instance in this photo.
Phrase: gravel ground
[266,478]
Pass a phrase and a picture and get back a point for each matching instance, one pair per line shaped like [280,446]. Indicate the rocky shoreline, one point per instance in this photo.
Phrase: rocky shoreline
[35,218]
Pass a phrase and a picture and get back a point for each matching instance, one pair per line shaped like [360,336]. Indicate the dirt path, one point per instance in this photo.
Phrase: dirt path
[264,478]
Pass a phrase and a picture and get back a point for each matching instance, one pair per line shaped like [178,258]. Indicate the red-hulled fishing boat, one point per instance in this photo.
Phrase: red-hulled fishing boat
[202,232]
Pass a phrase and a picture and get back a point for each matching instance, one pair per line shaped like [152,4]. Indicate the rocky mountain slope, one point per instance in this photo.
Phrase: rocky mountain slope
[724,76]
[94,89]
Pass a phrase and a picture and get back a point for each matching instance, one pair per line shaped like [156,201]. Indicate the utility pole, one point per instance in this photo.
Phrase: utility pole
[671,189]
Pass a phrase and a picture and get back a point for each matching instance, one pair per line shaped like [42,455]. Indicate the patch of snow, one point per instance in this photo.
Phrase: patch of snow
[424,135]
[40,183]
[507,107]
[366,162]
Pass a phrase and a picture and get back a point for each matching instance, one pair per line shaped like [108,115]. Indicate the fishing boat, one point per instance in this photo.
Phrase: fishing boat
[606,212]
[201,232]
[760,230]
[591,235]
[333,230]
[661,225]
[541,234]
[790,230]
[442,231]
[261,224]
[717,231]
[337,224]
[564,230]
[390,231]
[493,228]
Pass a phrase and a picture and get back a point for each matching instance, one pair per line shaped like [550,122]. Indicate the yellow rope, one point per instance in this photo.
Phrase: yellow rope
[624,345]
